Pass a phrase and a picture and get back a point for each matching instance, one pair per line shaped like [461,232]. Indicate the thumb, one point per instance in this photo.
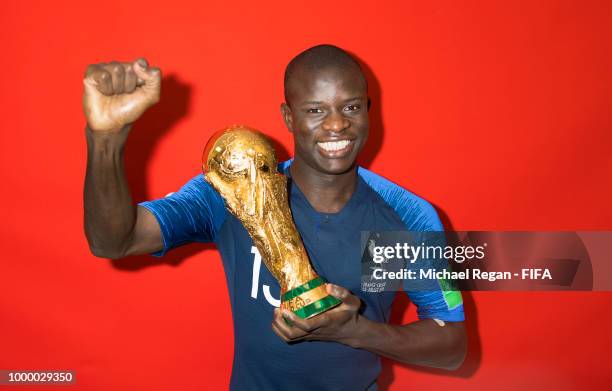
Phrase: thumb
[91,96]
[337,291]
[148,77]
[91,86]
[345,295]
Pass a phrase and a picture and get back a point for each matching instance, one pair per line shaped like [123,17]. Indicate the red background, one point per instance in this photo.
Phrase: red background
[497,113]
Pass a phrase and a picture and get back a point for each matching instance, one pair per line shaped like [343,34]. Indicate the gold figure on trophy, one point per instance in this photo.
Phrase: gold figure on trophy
[240,164]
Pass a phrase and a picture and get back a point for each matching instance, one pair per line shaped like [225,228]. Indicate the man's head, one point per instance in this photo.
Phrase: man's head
[326,108]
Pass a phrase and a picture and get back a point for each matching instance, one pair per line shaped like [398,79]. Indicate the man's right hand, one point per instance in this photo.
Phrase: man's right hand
[116,94]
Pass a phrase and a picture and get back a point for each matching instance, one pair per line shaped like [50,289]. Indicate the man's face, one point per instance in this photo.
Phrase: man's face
[328,115]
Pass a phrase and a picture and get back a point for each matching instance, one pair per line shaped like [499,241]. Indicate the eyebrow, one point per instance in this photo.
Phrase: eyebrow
[316,102]
[353,99]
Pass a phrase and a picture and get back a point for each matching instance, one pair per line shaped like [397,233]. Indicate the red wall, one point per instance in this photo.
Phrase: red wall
[497,112]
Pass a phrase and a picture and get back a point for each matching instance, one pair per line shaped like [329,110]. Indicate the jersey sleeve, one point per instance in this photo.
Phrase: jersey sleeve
[437,300]
[434,298]
[195,213]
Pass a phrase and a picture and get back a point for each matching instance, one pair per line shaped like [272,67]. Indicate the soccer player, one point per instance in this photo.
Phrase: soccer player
[332,202]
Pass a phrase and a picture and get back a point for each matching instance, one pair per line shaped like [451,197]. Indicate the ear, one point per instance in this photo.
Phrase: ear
[369,103]
[287,117]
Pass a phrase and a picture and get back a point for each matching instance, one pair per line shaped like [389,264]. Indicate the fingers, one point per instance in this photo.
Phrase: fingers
[283,330]
[117,72]
[152,81]
[97,76]
[131,79]
[144,64]
[306,325]
[148,76]
[348,299]
[118,78]
[337,291]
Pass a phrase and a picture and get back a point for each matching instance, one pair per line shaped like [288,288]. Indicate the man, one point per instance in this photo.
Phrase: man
[332,201]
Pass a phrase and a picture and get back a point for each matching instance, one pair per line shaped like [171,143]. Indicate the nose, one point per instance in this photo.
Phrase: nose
[335,122]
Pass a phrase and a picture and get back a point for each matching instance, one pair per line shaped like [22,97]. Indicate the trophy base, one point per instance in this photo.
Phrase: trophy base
[309,299]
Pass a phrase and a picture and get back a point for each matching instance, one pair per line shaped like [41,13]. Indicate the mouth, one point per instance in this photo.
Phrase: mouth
[336,149]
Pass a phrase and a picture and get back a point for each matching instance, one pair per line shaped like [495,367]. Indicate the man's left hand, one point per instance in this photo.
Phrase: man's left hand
[338,324]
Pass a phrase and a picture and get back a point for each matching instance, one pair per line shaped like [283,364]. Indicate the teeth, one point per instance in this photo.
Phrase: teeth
[334,145]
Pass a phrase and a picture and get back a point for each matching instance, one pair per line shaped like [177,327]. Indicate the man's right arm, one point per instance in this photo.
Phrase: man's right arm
[114,227]
[115,95]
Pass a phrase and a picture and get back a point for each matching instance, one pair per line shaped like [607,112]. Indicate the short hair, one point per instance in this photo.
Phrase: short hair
[320,57]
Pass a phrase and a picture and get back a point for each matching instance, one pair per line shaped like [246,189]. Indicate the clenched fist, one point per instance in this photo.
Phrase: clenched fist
[116,94]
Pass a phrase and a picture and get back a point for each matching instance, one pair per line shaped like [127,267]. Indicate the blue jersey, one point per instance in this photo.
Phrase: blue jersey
[262,360]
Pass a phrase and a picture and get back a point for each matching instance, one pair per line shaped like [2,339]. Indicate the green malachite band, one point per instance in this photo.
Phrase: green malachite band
[451,295]
[453,299]
[315,282]
[317,307]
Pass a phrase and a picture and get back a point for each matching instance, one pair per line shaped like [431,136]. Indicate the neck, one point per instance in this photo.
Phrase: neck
[327,193]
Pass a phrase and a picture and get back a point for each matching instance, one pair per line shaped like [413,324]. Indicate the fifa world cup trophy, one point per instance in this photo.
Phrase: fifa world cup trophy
[240,164]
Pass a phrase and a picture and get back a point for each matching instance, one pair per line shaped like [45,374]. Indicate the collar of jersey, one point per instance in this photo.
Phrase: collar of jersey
[345,212]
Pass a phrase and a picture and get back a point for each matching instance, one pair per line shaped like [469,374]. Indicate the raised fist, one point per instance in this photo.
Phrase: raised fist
[116,94]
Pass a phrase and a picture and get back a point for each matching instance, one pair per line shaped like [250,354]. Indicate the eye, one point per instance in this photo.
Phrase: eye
[314,110]
[352,108]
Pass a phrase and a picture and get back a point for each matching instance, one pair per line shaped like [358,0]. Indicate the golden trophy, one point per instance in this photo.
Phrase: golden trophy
[240,164]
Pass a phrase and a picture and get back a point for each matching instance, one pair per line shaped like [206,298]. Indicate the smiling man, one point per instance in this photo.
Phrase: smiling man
[332,202]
